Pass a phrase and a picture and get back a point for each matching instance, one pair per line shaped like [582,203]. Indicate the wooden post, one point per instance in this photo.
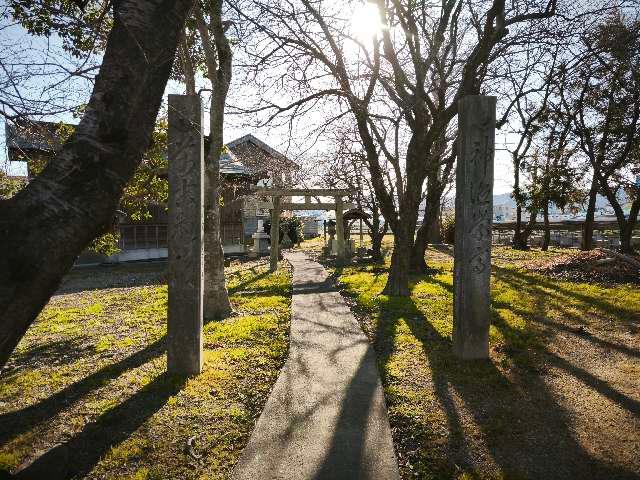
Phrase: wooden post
[340,229]
[275,233]
[324,231]
[185,232]
[474,213]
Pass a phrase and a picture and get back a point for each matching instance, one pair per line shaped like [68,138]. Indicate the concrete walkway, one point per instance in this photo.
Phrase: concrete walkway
[326,418]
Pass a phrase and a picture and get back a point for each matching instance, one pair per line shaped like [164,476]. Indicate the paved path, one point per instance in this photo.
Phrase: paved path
[326,418]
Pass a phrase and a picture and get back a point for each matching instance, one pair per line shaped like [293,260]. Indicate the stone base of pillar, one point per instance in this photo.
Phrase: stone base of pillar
[349,247]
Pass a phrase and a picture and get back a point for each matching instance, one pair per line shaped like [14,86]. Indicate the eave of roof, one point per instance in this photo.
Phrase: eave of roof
[250,138]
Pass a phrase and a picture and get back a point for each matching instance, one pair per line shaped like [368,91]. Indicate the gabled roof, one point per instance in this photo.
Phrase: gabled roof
[229,164]
[237,159]
[33,135]
[252,139]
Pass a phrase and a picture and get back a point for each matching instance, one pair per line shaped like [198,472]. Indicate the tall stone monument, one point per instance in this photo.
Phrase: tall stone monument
[185,234]
[474,213]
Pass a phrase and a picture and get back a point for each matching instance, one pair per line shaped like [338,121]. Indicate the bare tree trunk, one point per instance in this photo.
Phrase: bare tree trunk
[376,246]
[547,232]
[377,233]
[587,228]
[398,281]
[216,298]
[418,264]
[404,232]
[429,232]
[45,227]
[526,231]
[625,225]
[626,233]
[518,242]
[187,65]
[218,59]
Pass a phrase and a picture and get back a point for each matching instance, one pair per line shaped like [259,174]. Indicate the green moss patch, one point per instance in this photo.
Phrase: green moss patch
[86,393]
[554,401]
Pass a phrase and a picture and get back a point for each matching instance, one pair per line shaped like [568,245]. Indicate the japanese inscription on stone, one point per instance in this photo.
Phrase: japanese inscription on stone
[474,212]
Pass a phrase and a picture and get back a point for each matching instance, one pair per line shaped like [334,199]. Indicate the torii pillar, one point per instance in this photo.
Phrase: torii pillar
[340,229]
[274,234]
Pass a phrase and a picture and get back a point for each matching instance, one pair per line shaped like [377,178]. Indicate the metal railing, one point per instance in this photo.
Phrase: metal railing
[138,237]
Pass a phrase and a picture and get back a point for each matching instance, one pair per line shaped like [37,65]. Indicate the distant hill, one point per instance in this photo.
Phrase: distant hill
[504,199]
[601,202]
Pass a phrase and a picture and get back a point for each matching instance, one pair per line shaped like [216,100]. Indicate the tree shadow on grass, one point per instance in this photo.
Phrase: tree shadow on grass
[114,276]
[554,290]
[78,456]
[242,285]
[58,352]
[19,421]
[528,434]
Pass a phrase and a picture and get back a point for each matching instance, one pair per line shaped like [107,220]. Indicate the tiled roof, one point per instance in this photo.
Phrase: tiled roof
[229,164]
[42,136]
[252,139]
[33,135]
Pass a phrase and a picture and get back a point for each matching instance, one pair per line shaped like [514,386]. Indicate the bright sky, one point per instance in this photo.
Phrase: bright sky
[365,24]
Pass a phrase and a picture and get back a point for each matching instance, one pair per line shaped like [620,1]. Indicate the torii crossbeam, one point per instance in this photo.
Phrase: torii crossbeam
[277,193]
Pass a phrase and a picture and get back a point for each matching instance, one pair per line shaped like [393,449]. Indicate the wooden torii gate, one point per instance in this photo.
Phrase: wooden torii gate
[277,193]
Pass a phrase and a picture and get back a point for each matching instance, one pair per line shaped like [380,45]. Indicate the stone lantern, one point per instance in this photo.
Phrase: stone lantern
[332,247]
[260,241]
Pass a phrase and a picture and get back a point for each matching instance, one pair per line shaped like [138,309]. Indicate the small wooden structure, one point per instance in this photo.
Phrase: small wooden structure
[277,195]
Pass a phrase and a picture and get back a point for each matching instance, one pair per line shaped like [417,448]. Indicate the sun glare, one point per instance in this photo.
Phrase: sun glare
[365,23]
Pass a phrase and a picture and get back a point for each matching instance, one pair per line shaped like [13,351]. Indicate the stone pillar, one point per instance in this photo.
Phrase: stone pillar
[275,233]
[185,232]
[474,213]
[340,229]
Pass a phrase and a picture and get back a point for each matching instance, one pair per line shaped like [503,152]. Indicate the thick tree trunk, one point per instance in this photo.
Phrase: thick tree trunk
[626,233]
[404,228]
[218,60]
[428,233]
[523,237]
[518,243]
[187,66]
[586,242]
[398,280]
[377,233]
[625,239]
[45,227]
[376,246]
[216,304]
[547,232]
[434,233]
[519,237]
[417,262]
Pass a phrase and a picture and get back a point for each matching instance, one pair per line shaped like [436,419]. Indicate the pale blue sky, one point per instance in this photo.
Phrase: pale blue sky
[277,137]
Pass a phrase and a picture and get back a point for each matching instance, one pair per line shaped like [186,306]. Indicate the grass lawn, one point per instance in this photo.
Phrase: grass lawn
[85,395]
[559,399]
